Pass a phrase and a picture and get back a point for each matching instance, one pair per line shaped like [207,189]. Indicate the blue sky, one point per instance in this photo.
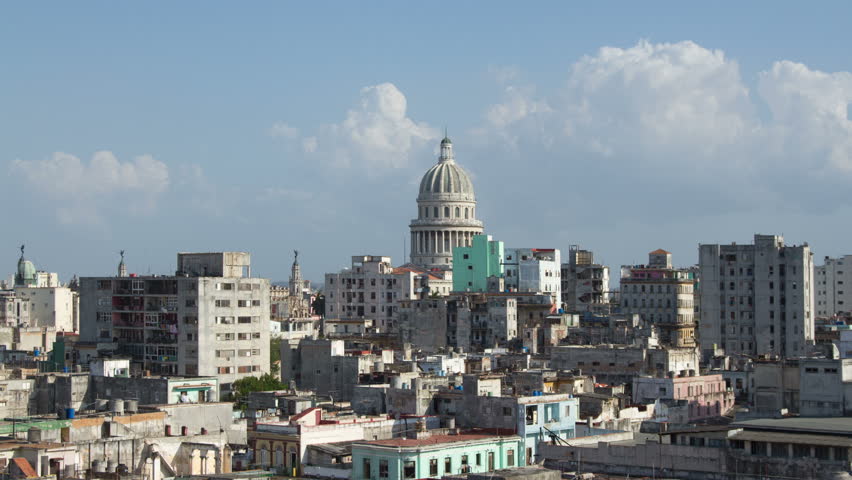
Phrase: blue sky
[273,126]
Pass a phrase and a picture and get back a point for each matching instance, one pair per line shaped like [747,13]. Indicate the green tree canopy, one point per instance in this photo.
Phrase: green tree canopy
[246,385]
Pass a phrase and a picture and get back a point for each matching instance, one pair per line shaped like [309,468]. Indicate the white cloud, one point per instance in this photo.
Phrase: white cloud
[377,133]
[309,144]
[810,115]
[81,191]
[281,129]
[680,117]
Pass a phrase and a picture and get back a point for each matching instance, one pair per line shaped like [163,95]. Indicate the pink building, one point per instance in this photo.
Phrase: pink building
[705,396]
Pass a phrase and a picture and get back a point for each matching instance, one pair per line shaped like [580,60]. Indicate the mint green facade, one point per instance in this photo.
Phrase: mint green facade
[434,460]
[474,264]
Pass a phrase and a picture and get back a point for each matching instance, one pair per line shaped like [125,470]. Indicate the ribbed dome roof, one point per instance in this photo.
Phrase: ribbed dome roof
[26,273]
[446,177]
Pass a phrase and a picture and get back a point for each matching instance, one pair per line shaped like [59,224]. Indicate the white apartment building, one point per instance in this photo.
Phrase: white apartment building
[39,300]
[833,286]
[756,299]
[210,319]
[661,295]
[585,284]
[534,270]
[370,289]
[50,307]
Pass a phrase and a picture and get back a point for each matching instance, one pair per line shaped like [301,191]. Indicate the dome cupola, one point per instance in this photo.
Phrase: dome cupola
[446,212]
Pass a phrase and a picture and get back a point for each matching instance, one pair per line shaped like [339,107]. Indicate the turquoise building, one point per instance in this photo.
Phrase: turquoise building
[474,264]
[434,456]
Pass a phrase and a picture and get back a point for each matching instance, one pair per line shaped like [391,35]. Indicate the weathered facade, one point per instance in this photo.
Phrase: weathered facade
[212,319]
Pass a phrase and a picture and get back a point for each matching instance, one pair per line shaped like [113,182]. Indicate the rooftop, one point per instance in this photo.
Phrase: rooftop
[432,440]
[826,425]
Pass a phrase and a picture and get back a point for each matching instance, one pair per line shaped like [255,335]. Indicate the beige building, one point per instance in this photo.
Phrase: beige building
[661,295]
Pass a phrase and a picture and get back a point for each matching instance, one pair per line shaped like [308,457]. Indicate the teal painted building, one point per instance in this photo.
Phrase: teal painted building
[474,264]
[434,456]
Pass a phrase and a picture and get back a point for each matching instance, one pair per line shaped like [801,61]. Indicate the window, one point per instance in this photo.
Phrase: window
[490,461]
[409,467]
[242,303]
[223,303]
[367,469]
[383,469]
[190,302]
[510,458]
[478,459]
[463,461]
[448,465]
[433,467]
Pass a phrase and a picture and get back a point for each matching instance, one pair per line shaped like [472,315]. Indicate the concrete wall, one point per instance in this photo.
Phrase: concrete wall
[17,398]
[369,399]
[643,459]
[49,307]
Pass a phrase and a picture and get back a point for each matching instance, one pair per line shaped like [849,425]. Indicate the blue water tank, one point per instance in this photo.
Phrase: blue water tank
[36,352]
[70,413]
[65,369]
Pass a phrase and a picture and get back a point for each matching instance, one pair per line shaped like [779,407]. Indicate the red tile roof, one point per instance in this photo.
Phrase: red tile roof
[660,251]
[25,467]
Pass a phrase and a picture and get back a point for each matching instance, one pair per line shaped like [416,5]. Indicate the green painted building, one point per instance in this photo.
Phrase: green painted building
[434,456]
[474,264]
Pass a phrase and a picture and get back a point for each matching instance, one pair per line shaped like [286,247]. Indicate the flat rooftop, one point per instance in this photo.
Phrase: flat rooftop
[432,440]
[824,425]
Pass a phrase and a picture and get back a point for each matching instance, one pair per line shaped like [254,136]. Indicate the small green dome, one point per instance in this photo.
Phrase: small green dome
[26,273]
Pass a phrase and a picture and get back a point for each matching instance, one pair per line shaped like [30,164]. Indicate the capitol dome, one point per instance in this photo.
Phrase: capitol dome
[446,178]
[446,212]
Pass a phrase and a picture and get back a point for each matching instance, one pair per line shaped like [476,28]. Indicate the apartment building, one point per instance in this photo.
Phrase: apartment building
[661,295]
[372,289]
[534,270]
[833,286]
[756,299]
[211,318]
[585,284]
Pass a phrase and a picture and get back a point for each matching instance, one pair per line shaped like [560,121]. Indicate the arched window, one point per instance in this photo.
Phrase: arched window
[465,212]
[457,212]
[447,212]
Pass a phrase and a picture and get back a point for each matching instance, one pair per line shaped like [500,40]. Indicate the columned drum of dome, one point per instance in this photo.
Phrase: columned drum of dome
[446,213]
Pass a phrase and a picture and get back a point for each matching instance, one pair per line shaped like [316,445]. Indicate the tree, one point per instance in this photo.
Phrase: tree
[319,304]
[246,385]
[275,355]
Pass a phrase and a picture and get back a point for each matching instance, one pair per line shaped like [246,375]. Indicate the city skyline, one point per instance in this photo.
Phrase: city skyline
[292,130]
